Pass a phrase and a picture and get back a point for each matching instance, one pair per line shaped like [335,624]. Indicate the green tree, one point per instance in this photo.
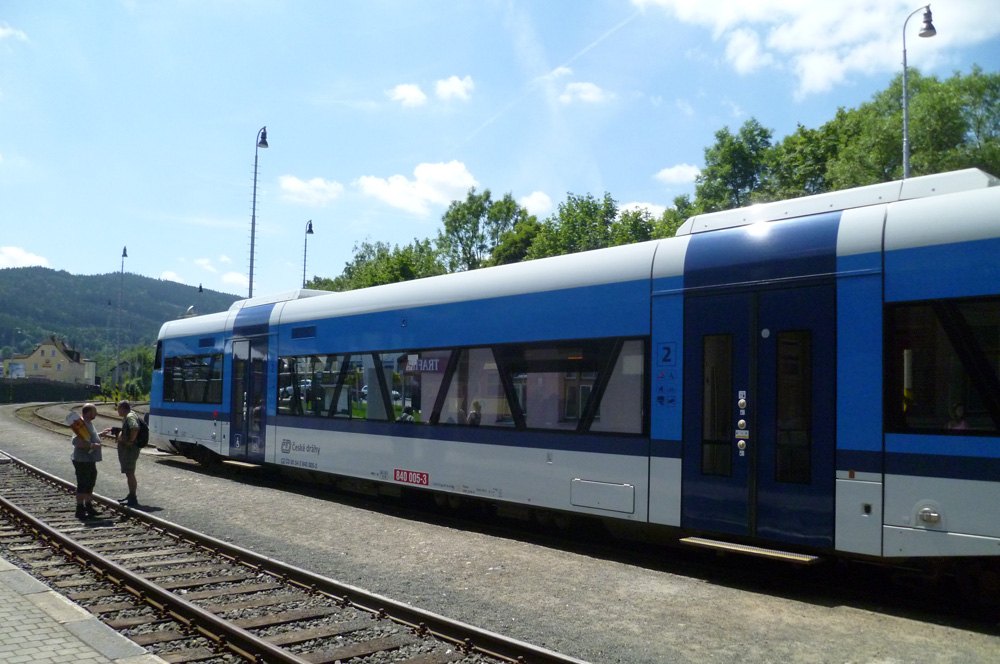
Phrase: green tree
[673,217]
[514,244]
[582,223]
[630,227]
[980,109]
[377,263]
[798,164]
[953,124]
[473,228]
[735,167]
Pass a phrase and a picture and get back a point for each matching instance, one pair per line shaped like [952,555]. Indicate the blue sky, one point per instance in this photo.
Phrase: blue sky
[134,123]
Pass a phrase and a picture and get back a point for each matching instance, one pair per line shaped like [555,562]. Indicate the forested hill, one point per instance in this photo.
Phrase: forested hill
[84,309]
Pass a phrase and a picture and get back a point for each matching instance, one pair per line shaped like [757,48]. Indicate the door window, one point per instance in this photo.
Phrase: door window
[717,405]
[793,407]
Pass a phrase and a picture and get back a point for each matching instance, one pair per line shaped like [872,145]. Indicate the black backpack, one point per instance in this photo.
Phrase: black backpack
[142,439]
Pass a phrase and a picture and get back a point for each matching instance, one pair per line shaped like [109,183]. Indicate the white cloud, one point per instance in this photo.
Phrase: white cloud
[7,32]
[225,259]
[585,92]
[679,174]
[408,95]
[559,72]
[205,264]
[432,184]
[236,279]
[537,203]
[655,211]
[171,276]
[743,50]
[685,107]
[824,44]
[455,87]
[315,192]
[18,257]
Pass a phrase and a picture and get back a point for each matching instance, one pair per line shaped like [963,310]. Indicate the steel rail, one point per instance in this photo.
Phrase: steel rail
[224,634]
[467,637]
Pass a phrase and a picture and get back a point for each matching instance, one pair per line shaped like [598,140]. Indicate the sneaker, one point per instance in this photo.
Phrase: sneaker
[129,501]
[92,511]
[81,512]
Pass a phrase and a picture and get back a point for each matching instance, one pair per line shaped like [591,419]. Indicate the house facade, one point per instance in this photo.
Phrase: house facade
[52,360]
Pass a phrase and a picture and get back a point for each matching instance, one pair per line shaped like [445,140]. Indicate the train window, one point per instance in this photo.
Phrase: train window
[193,379]
[793,406]
[416,382]
[717,405]
[588,385]
[321,386]
[942,364]
[475,394]
[621,408]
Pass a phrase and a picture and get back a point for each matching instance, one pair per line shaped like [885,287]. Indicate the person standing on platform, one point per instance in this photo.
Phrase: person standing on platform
[86,454]
[128,451]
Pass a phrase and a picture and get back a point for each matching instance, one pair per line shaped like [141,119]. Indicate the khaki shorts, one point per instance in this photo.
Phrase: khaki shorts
[127,457]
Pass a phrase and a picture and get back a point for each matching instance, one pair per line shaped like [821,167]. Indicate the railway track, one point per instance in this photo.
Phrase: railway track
[190,598]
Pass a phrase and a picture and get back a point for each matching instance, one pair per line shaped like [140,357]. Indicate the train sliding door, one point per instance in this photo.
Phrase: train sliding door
[248,418]
[760,380]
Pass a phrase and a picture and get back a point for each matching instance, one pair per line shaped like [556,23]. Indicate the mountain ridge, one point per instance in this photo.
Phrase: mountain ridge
[95,314]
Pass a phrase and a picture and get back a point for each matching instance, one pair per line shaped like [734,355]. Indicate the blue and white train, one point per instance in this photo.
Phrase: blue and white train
[817,376]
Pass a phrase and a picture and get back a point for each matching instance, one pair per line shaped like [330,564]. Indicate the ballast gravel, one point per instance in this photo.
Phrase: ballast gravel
[594,609]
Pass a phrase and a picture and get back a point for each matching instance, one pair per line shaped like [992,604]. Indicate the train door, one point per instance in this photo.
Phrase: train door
[759,414]
[249,413]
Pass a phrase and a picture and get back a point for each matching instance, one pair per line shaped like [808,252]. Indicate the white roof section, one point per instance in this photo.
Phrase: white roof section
[886,192]
[184,327]
[590,268]
[285,296]
[944,220]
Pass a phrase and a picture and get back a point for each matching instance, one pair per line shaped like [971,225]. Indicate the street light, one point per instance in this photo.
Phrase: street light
[261,143]
[926,31]
[118,336]
[305,249]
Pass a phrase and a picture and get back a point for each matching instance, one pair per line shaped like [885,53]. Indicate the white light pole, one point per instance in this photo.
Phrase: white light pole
[305,249]
[261,143]
[926,31]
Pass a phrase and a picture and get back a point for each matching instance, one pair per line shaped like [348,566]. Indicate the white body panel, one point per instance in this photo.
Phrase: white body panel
[859,517]
[527,476]
[665,491]
[964,506]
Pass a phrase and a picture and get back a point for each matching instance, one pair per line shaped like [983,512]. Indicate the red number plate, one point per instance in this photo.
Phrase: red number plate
[412,477]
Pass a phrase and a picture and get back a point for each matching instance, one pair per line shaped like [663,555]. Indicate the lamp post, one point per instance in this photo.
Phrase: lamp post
[118,336]
[305,249]
[261,143]
[926,31]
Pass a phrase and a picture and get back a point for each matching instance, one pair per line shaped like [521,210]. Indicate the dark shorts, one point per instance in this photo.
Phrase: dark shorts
[86,476]
[127,456]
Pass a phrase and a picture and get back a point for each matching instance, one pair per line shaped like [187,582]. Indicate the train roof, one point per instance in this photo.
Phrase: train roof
[625,263]
[885,192]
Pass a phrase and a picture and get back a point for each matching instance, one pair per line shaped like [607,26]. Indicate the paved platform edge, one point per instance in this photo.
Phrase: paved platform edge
[75,619]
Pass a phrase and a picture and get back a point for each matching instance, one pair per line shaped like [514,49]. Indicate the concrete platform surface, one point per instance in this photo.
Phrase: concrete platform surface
[40,626]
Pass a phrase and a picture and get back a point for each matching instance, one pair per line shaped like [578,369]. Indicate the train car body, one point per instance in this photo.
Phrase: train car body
[819,374]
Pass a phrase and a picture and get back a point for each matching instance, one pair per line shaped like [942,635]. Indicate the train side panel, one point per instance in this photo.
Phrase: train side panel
[942,396]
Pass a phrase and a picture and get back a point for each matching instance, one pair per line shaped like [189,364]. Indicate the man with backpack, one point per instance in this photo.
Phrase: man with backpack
[129,446]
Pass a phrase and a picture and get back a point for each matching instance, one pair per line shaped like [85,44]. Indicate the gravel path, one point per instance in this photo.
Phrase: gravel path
[593,609]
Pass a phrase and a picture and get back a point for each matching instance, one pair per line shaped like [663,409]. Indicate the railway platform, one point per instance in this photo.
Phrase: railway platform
[40,626]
